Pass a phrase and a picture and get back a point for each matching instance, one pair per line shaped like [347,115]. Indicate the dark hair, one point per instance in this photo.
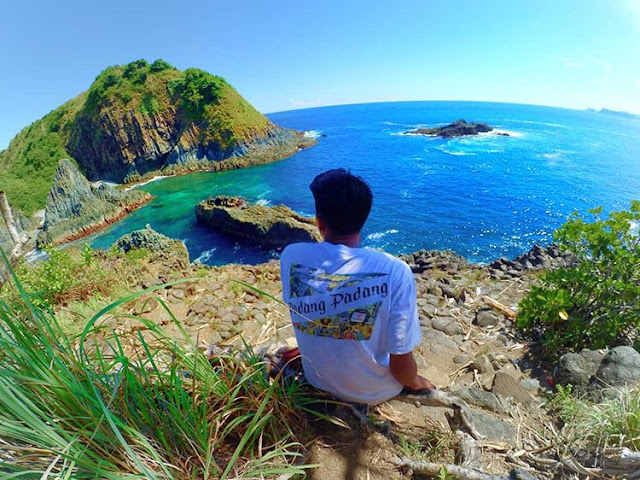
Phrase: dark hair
[343,201]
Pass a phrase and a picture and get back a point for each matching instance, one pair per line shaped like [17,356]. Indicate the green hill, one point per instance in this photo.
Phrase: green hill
[137,119]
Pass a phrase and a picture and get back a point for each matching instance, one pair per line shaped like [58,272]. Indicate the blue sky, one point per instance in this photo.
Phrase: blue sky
[286,54]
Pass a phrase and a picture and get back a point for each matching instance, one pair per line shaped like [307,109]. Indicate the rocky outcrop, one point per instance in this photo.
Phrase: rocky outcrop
[12,230]
[459,128]
[149,239]
[271,227]
[77,208]
[538,258]
[619,368]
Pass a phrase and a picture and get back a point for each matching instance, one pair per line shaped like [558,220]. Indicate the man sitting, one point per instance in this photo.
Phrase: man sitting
[353,309]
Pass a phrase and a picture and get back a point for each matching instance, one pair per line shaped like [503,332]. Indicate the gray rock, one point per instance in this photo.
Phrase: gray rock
[446,325]
[76,208]
[486,318]
[483,364]
[531,385]
[619,368]
[576,369]
[153,241]
[461,359]
[493,428]
[507,386]
[481,398]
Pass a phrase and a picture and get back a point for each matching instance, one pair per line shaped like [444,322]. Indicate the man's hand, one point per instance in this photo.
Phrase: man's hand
[404,370]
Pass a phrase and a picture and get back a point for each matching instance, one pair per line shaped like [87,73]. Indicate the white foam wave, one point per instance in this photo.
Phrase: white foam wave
[313,133]
[379,235]
[456,153]
[205,256]
[499,131]
[154,179]
[264,202]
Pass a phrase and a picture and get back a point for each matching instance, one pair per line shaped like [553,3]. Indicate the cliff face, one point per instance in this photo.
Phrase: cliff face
[76,207]
[13,230]
[139,119]
[271,227]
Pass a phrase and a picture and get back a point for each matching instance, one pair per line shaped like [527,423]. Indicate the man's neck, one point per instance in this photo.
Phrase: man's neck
[352,241]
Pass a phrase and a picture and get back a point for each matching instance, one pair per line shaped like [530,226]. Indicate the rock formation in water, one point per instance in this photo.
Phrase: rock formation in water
[140,119]
[147,238]
[271,227]
[458,128]
[77,208]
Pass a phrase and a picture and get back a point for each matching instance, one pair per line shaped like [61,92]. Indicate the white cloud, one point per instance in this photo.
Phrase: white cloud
[296,103]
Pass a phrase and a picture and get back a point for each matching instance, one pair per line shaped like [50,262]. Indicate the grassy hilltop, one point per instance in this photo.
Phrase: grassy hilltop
[127,123]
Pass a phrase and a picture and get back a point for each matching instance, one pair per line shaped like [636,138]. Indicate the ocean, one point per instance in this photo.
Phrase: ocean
[483,197]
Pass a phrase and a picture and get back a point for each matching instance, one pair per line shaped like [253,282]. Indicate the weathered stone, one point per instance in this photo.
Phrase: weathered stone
[576,369]
[619,368]
[480,398]
[486,318]
[507,386]
[267,226]
[461,359]
[446,325]
[482,364]
[493,428]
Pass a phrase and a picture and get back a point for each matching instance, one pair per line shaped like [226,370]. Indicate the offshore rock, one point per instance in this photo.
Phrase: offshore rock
[149,239]
[77,208]
[459,128]
[271,227]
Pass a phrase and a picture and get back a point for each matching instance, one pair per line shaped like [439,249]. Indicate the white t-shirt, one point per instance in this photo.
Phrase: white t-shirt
[351,308]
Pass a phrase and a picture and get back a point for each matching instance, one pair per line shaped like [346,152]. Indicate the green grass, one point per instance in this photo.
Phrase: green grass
[614,422]
[83,408]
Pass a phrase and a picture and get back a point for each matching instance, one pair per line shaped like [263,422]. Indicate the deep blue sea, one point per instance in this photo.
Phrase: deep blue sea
[483,197]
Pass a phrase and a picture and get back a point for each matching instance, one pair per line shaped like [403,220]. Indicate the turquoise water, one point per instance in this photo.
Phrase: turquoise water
[482,197]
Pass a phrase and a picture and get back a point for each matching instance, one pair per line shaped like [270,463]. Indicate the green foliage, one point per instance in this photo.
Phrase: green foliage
[196,90]
[63,277]
[593,304]
[72,408]
[159,65]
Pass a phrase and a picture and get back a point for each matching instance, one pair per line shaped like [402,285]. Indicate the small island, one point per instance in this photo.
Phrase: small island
[269,227]
[459,128]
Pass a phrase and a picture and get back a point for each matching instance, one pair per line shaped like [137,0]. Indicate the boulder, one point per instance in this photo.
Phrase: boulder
[619,368]
[270,227]
[576,369]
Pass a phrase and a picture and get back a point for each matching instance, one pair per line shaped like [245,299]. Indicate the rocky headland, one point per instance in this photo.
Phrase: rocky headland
[270,227]
[459,128]
[77,208]
[134,122]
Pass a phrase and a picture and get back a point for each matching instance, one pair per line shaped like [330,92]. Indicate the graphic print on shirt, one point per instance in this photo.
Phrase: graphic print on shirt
[338,306]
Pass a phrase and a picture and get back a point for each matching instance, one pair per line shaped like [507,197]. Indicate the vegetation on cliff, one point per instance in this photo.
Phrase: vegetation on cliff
[595,303]
[135,119]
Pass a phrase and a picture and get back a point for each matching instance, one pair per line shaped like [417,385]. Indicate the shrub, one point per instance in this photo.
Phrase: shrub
[593,304]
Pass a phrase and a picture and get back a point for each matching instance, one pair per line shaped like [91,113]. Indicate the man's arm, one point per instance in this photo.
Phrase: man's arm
[404,370]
